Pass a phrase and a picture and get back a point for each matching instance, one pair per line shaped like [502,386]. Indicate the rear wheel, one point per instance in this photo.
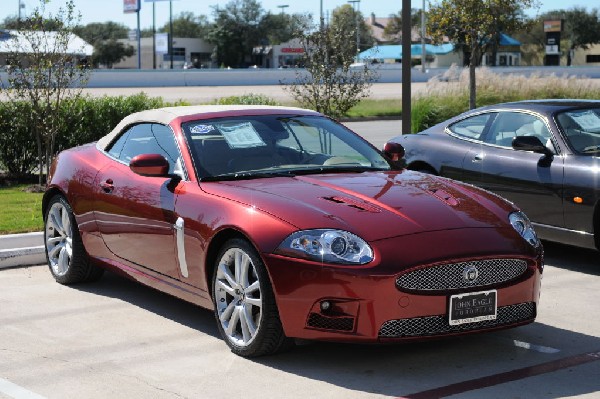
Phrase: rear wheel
[245,308]
[67,259]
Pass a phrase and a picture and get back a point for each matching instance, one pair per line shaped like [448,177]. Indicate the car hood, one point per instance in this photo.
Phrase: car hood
[373,205]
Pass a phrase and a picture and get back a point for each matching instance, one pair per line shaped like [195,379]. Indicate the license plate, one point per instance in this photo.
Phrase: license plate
[473,307]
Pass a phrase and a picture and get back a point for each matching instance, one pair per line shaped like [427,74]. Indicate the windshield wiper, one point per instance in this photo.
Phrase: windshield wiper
[248,176]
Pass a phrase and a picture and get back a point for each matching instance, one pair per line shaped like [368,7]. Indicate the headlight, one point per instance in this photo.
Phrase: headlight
[331,246]
[521,223]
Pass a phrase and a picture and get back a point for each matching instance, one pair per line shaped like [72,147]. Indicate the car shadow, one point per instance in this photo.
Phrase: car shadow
[411,370]
[172,308]
[572,258]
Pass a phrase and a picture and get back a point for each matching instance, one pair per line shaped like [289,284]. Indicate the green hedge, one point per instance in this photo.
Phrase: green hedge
[84,120]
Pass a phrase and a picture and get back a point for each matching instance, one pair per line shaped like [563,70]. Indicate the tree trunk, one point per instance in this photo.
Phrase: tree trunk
[38,139]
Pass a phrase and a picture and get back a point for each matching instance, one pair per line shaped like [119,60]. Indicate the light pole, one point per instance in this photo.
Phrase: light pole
[423,55]
[284,6]
[357,2]
[21,5]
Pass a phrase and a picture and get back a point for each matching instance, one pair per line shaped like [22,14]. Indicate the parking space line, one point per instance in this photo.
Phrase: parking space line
[17,392]
[533,347]
[509,376]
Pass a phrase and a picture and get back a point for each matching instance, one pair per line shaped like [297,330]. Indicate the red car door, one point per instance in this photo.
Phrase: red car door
[135,214]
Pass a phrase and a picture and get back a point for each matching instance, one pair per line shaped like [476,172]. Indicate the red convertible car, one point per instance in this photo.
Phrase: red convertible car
[288,225]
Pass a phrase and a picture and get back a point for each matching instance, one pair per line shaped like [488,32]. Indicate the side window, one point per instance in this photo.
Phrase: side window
[471,128]
[507,125]
[146,138]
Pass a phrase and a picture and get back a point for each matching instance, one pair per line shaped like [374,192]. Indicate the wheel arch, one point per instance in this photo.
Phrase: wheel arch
[215,246]
[596,224]
[48,195]
[422,165]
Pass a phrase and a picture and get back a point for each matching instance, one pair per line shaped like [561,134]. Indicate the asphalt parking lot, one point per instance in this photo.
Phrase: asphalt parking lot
[117,339]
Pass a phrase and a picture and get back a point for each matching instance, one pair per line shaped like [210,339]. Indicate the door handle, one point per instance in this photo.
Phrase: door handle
[479,157]
[107,186]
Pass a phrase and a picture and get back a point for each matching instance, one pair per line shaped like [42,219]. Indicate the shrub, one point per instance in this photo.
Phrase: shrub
[82,120]
[449,96]
[246,99]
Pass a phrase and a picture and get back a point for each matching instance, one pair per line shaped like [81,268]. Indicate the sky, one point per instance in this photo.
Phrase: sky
[112,10]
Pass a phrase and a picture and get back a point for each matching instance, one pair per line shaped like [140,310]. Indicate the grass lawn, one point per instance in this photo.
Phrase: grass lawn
[374,108]
[20,211]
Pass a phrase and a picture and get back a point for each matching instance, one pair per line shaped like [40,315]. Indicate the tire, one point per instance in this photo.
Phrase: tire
[245,308]
[65,254]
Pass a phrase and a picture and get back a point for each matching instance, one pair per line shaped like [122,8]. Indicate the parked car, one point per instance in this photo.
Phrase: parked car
[288,225]
[542,155]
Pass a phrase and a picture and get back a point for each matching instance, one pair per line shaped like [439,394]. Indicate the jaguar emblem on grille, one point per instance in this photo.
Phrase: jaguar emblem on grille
[470,273]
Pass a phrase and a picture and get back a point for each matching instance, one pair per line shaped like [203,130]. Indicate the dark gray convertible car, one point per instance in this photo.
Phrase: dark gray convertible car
[543,155]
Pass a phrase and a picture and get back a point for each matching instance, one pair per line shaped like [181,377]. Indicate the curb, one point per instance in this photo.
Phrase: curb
[22,250]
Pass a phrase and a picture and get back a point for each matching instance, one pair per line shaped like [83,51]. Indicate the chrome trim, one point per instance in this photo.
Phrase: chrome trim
[180,236]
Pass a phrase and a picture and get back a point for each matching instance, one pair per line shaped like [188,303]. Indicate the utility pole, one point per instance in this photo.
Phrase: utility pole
[406,58]
[423,52]
[171,31]
[154,34]
[283,7]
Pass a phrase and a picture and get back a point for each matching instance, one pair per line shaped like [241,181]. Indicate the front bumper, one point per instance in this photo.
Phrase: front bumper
[365,304]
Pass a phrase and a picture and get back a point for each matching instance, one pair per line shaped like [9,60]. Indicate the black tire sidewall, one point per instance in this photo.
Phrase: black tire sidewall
[257,347]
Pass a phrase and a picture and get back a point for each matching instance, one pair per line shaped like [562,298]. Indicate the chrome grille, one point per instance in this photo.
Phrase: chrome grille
[438,325]
[450,276]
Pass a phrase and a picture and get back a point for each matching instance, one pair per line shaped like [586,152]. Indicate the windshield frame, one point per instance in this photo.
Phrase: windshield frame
[324,125]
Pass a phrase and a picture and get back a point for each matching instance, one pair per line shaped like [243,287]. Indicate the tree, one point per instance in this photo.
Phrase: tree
[104,36]
[45,72]
[100,31]
[582,29]
[187,24]
[344,20]
[393,29]
[475,24]
[109,52]
[280,28]
[329,84]
[236,31]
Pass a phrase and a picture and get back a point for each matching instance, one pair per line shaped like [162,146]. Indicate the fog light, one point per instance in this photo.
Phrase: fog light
[325,306]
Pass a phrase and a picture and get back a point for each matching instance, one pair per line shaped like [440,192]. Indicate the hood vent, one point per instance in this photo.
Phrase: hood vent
[444,196]
[354,203]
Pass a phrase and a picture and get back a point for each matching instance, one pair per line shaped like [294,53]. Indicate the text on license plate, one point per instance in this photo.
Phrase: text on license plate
[473,307]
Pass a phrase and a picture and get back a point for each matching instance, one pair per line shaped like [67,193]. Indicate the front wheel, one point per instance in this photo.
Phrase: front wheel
[67,259]
[245,308]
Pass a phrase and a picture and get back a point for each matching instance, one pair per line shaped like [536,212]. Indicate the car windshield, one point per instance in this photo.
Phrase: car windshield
[582,129]
[259,146]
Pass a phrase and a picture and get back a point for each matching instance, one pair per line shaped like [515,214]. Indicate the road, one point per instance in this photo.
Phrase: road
[115,338]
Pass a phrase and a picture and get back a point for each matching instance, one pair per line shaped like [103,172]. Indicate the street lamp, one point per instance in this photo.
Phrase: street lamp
[21,5]
[283,7]
[357,2]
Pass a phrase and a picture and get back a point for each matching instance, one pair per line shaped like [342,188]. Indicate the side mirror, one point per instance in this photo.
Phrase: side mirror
[394,151]
[530,143]
[151,165]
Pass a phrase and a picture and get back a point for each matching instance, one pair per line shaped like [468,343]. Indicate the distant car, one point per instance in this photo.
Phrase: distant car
[288,225]
[542,155]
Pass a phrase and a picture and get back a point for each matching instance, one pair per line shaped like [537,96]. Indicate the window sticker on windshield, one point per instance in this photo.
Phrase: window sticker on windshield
[202,129]
[588,120]
[241,135]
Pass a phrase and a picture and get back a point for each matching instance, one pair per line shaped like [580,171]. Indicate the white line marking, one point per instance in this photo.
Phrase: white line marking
[17,392]
[537,348]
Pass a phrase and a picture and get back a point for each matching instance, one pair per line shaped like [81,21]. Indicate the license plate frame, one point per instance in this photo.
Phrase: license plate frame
[473,307]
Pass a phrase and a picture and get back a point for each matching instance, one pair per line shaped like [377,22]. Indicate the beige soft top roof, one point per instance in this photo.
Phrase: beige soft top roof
[166,115]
